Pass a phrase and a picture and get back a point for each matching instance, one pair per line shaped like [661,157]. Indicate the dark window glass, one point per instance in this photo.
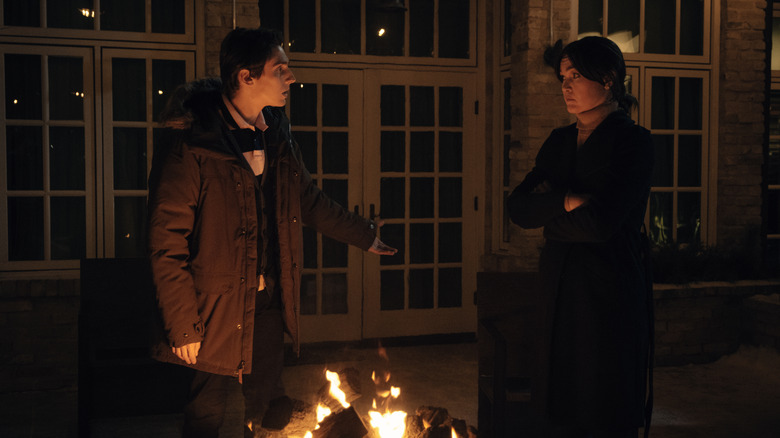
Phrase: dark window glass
[337,190]
[393,195]
[450,194]
[661,218]
[22,13]
[772,260]
[691,27]
[393,235]
[450,242]
[68,228]
[168,16]
[450,287]
[129,87]
[335,105]
[130,226]
[393,105]
[688,217]
[421,28]
[272,14]
[508,27]
[590,17]
[623,24]
[69,14]
[340,26]
[308,294]
[450,151]
[454,29]
[392,151]
[309,248]
[334,294]
[421,106]
[334,253]
[391,293]
[307,141]
[689,161]
[166,76]
[421,197]
[66,158]
[663,164]
[690,103]
[124,15]
[23,87]
[421,151]
[384,28]
[66,88]
[25,228]
[507,103]
[335,152]
[773,212]
[662,111]
[303,104]
[421,288]
[506,159]
[660,16]
[129,158]
[24,157]
[302,37]
[450,106]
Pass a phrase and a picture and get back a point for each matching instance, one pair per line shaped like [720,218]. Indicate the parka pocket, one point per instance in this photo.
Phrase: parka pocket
[213,283]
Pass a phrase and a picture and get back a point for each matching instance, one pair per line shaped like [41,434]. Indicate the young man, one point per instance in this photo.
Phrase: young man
[228,195]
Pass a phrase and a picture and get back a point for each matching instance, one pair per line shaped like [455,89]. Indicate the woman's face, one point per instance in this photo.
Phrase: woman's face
[580,93]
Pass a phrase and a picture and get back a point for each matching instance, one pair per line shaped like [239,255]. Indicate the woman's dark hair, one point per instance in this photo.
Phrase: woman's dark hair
[245,48]
[600,60]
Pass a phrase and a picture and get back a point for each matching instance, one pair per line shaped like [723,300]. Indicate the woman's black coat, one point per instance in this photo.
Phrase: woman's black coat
[592,272]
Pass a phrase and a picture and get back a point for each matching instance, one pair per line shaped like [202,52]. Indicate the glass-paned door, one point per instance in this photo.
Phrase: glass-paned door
[420,177]
[47,149]
[676,110]
[136,86]
[326,113]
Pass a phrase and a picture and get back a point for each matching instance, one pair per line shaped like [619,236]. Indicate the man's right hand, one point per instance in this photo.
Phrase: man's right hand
[188,353]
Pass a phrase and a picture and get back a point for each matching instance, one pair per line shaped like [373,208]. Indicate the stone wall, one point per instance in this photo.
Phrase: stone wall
[761,316]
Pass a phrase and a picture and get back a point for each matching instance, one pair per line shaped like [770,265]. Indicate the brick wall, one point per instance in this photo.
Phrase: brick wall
[761,316]
[219,21]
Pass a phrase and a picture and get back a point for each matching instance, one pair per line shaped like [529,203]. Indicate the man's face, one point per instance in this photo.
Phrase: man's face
[273,86]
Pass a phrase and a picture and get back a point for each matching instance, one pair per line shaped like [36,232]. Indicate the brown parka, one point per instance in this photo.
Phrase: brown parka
[203,229]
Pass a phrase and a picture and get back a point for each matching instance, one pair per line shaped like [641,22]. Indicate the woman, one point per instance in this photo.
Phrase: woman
[589,190]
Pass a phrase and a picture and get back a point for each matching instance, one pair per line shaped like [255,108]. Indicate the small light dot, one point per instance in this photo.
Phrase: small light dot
[160,92]
[381,32]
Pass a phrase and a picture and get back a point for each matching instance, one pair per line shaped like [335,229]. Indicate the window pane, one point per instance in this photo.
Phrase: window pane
[129,158]
[421,197]
[391,293]
[25,229]
[392,195]
[129,88]
[22,13]
[393,235]
[335,152]
[450,151]
[507,103]
[334,253]
[334,294]
[590,17]
[773,256]
[421,288]
[384,28]
[508,27]
[421,28]
[307,141]
[454,29]
[450,287]
[24,157]
[392,151]
[23,87]
[124,15]
[688,217]
[303,104]
[773,212]
[66,88]
[507,161]
[166,76]
[302,26]
[662,111]
[691,27]
[168,16]
[66,158]
[130,226]
[421,151]
[272,14]
[393,105]
[336,189]
[450,106]
[309,248]
[69,14]
[663,165]
[421,106]
[623,24]
[690,103]
[335,105]
[340,26]
[660,17]
[450,242]
[689,161]
[661,218]
[68,228]
[450,193]
[308,294]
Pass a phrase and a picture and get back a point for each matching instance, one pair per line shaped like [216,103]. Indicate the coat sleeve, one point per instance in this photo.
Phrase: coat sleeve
[627,184]
[173,196]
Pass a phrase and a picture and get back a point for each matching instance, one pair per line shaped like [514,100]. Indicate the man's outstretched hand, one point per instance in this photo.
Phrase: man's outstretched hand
[379,247]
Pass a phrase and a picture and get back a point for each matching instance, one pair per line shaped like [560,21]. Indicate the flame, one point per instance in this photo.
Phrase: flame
[335,391]
[454,434]
[389,425]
